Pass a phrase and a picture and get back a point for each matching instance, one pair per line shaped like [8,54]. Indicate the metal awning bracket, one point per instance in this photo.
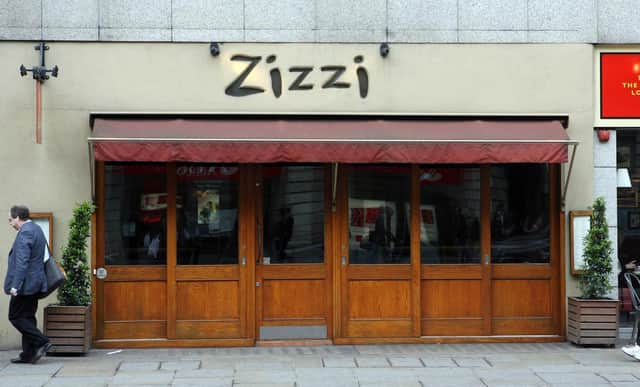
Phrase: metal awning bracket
[92,165]
[566,183]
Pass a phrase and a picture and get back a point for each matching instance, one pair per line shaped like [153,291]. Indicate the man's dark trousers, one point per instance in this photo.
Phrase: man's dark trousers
[22,314]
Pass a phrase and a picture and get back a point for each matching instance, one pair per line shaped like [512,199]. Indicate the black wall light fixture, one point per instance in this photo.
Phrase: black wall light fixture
[384,50]
[40,72]
[214,49]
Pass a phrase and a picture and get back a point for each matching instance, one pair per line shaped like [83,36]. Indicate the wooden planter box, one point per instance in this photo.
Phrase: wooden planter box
[592,321]
[68,328]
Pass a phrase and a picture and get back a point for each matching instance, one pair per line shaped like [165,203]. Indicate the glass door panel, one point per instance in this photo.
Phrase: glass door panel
[524,279]
[291,269]
[376,275]
[133,208]
[453,291]
[210,296]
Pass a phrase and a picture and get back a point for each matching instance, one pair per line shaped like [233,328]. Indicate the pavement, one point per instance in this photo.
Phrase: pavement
[517,364]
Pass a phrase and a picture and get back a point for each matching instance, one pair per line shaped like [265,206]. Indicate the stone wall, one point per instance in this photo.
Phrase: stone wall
[408,21]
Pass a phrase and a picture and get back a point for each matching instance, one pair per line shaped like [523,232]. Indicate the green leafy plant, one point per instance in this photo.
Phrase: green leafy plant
[595,279]
[76,290]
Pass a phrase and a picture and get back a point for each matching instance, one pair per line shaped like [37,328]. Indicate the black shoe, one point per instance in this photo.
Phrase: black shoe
[40,352]
[19,360]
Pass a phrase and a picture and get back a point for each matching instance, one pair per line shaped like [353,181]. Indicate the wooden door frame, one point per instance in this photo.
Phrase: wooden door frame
[486,266]
[410,271]
[245,248]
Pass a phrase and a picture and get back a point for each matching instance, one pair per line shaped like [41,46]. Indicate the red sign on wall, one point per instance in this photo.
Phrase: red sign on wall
[620,85]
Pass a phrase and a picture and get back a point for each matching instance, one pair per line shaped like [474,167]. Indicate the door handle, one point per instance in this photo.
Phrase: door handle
[100,273]
[344,260]
[486,259]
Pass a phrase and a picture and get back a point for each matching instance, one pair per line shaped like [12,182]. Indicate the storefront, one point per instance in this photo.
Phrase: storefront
[619,118]
[324,192]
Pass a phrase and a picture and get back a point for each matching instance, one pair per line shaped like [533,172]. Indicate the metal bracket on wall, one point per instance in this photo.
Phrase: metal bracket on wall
[39,74]
[566,183]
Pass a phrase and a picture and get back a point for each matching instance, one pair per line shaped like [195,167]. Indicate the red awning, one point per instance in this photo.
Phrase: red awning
[329,140]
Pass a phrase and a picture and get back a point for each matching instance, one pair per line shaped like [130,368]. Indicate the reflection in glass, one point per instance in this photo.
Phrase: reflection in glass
[449,215]
[379,213]
[207,214]
[293,214]
[520,213]
[135,201]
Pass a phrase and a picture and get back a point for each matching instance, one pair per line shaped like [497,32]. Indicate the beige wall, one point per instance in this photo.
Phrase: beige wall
[159,78]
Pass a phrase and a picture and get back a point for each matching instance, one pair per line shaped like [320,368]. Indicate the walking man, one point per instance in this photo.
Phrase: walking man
[25,279]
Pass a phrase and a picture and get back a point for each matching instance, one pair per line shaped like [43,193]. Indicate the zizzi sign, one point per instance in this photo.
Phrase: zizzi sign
[300,79]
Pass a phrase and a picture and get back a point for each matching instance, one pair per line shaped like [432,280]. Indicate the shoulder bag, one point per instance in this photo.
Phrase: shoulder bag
[54,274]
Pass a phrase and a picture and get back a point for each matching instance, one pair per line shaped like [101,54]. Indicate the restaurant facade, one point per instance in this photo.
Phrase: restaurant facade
[311,192]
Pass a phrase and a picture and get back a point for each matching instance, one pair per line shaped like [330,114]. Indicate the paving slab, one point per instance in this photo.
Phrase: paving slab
[24,381]
[287,384]
[444,381]
[262,365]
[444,372]
[438,362]
[180,365]
[584,379]
[339,362]
[204,382]
[264,376]
[562,369]
[335,382]
[619,377]
[307,362]
[372,362]
[88,369]
[410,362]
[507,377]
[395,384]
[154,378]
[381,375]
[205,373]
[138,366]
[137,385]
[472,362]
[76,381]
[30,369]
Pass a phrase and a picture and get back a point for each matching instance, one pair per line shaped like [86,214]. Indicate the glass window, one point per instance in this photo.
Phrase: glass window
[293,214]
[628,161]
[520,213]
[379,208]
[449,214]
[135,201]
[207,214]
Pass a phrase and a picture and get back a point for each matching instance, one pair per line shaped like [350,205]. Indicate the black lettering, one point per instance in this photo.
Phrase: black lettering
[337,73]
[363,77]
[297,83]
[236,89]
[276,77]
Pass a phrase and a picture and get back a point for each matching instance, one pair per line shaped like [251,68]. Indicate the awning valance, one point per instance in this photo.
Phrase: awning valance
[329,140]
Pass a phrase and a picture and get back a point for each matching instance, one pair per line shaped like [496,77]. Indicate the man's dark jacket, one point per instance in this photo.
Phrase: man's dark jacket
[26,266]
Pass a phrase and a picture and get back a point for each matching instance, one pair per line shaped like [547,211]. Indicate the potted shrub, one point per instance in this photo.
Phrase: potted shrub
[593,317]
[68,323]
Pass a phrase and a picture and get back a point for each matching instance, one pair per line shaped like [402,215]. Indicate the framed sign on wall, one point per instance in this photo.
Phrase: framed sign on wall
[579,225]
[619,85]
[45,221]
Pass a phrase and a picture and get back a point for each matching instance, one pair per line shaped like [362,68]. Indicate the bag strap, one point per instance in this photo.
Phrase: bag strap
[48,249]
